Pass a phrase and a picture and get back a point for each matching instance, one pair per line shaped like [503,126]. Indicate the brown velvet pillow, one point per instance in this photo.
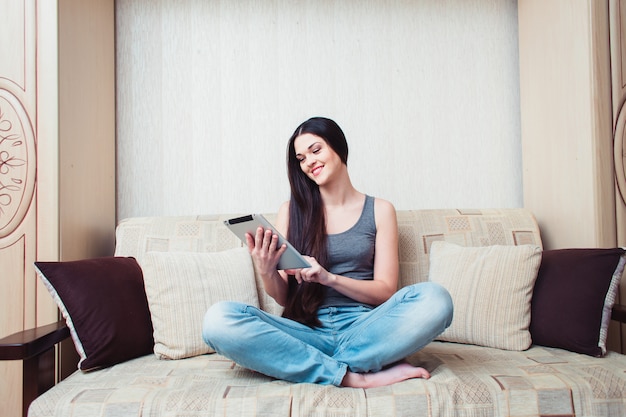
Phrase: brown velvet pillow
[104,304]
[573,297]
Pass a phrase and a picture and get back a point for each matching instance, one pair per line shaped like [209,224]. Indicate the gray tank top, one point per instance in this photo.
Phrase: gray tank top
[351,254]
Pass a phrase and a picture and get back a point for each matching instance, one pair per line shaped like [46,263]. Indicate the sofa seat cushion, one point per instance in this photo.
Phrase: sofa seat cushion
[466,380]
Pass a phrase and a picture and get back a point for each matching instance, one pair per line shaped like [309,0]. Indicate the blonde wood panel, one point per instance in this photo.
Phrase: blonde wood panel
[566,121]
[86,138]
[86,128]
[12,42]
[618,53]
[12,259]
[618,64]
[17,163]
[11,389]
[18,166]
[602,129]
[47,147]
[47,200]
[567,111]
[57,121]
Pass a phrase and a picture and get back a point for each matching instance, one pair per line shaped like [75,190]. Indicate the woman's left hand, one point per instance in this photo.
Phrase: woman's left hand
[314,273]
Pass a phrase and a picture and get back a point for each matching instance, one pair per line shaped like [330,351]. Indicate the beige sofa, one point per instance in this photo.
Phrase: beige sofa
[484,365]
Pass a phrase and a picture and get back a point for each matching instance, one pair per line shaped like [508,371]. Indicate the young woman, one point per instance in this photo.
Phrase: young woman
[344,321]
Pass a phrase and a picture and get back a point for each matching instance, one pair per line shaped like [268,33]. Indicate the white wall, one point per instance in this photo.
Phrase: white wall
[208,93]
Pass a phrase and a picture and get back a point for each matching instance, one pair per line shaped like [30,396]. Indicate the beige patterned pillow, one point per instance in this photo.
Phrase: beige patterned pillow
[491,287]
[181,286]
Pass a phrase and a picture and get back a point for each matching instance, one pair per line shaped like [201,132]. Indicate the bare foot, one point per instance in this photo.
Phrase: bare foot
[396,373]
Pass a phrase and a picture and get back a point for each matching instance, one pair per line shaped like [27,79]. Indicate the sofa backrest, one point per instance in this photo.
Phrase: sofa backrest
[417,230]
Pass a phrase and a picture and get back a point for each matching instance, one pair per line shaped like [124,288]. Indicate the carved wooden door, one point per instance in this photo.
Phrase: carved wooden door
[18,187]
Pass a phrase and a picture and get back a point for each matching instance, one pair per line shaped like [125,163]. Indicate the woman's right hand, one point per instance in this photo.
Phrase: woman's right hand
[264,250]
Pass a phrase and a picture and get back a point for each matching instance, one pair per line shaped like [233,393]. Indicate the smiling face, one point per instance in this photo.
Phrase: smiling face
[317,159]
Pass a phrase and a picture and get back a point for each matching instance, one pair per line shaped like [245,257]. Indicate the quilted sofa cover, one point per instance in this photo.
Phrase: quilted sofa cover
[466,380]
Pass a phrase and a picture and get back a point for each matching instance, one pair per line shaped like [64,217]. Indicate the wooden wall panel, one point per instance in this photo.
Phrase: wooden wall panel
[87,128]
[618,78]
[568,99]
[12,320]
[57,156]
[18,163]
[16,21]
[566,121]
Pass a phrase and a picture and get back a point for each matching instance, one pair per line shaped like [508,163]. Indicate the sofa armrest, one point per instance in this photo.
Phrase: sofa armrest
[619,313]
[35,347]
[32,342]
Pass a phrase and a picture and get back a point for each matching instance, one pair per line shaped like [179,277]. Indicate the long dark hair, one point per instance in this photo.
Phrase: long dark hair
[307,220]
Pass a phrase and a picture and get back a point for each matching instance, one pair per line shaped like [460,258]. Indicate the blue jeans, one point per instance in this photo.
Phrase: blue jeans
[355,338]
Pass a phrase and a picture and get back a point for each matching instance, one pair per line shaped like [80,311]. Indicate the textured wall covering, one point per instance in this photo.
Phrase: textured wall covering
[208,93]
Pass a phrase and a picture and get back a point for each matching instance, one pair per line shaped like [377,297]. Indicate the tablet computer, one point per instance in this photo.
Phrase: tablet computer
[290,259]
